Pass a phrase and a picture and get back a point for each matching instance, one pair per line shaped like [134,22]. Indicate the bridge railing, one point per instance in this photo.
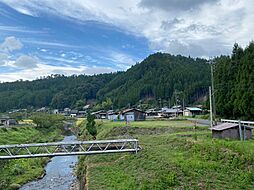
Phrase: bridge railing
[68,148]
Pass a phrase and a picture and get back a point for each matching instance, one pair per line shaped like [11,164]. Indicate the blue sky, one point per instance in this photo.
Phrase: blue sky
[39,38]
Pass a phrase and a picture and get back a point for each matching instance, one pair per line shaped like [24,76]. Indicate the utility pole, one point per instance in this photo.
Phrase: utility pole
[213,93]
[183,102]
[211,107]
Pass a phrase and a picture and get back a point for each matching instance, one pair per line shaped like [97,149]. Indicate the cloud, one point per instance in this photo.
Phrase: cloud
[49,44]
[121,60]
[10,44]
[25,61]
[45,70]
[174,5]
[162,22]
[3,58]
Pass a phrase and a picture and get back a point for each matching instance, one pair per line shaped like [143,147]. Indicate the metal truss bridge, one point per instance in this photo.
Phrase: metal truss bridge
[16,151]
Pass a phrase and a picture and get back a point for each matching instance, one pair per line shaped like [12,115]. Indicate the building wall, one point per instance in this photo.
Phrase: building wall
[248,134]
[112,117]
[130,116]
[187,113]
[139,116]
[232,133]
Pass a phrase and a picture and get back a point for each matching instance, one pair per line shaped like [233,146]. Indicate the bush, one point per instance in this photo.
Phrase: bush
[15,186]
[18,170]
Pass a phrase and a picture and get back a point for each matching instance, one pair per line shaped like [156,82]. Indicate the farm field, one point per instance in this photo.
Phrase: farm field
[174,155]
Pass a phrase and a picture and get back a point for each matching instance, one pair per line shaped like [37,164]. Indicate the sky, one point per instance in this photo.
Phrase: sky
[40,38]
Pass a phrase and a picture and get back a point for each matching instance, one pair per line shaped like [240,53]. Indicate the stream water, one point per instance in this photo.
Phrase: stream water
[59,173]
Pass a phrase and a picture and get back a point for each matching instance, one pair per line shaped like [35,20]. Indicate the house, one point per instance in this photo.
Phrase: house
[66,111]
[152,113]
[231,131]
[134,114]
[43,109]
[86,107]
[9,122]
[73,115]
[192,111]
[111,115]
[55,111]
[100,114]
[170,112]
[81,113]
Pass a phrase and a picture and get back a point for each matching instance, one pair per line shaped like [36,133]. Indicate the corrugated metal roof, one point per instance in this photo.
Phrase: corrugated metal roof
[224,126]
[193,109]
[170,110]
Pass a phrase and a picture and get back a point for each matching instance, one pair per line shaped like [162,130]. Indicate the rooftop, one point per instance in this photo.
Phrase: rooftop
[193,109]
[224,126]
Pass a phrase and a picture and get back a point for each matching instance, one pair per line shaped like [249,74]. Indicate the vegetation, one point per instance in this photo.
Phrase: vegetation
[57,91]
[174,155]
[90,125]
[160,76]
[17,172]
[46,120]
[234,82]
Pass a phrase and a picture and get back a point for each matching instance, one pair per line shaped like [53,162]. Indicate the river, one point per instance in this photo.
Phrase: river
[59,173]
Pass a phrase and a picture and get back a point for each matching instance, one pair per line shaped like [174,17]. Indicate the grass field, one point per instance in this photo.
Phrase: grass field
[16,172]
[174,155]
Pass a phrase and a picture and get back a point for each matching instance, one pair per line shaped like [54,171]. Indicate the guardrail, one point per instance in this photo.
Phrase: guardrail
[68,148]
[248,123]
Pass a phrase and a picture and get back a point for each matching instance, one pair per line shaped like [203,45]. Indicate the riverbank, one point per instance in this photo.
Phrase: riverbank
[15,173]
[174,155]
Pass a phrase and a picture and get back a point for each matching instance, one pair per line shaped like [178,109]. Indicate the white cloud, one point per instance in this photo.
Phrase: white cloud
[3,58]
[121,60]
[198,27]
[25,61]
[45,70]
[50,44]
[10,44]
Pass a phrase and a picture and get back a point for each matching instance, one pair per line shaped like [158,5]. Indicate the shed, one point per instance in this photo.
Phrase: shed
[231,131]
[134,114]
[192,111]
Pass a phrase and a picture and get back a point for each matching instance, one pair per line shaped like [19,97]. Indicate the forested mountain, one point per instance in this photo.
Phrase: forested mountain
[160,76]
[57,91]
[234,83]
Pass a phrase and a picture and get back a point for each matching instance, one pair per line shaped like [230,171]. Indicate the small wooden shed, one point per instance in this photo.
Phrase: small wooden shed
[231,131]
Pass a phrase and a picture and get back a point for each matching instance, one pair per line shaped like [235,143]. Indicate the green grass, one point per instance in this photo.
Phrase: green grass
[21,171]
[174,155]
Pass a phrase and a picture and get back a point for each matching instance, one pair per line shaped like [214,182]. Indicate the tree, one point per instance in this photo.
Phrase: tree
[46,120]
[90,126]
[79,104]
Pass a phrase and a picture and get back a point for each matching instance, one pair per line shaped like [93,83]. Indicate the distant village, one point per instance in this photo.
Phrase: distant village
[230,129]
[130,114]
